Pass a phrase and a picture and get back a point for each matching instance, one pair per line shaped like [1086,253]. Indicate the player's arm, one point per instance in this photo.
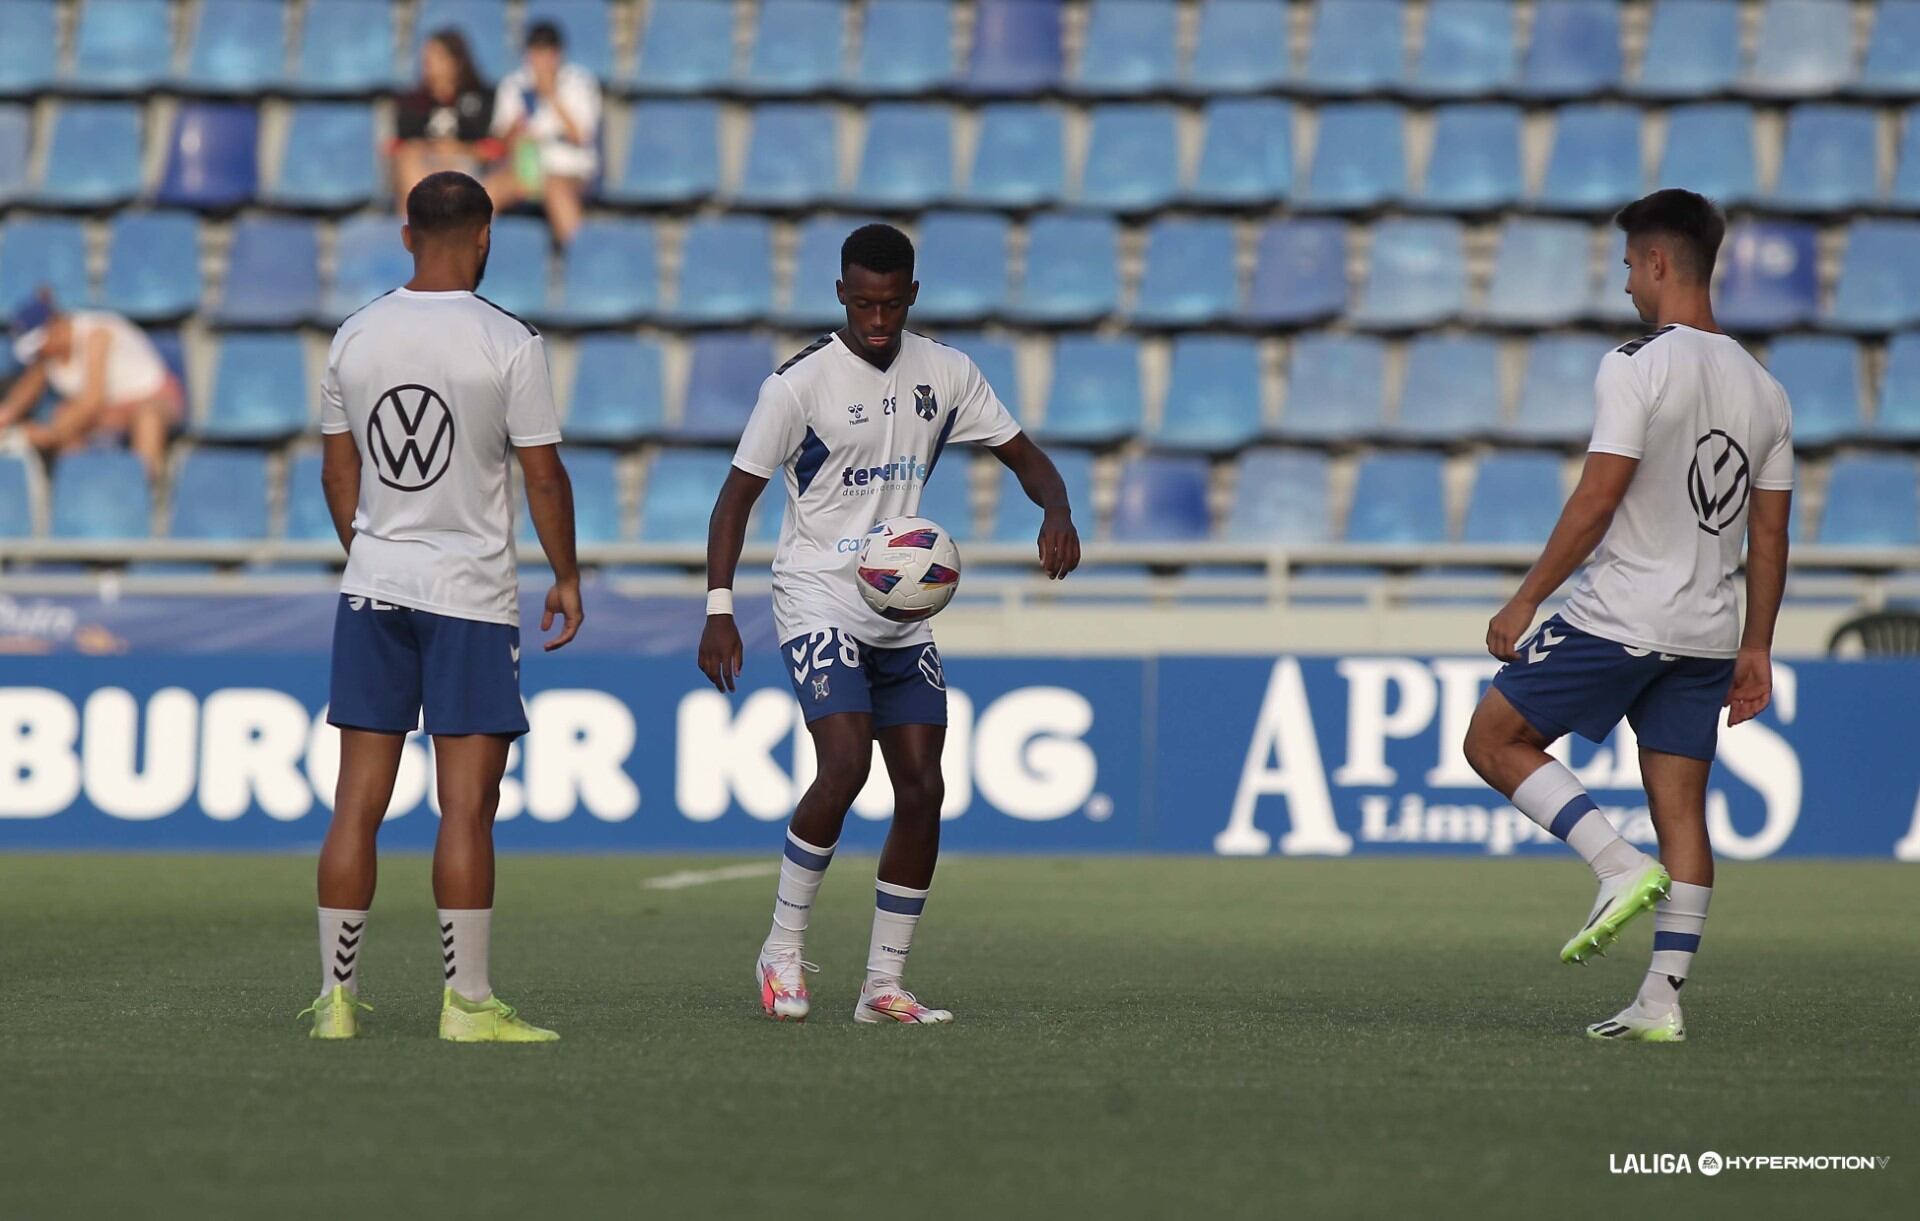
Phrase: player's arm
[721,654]
[1767,518]
[340,480]
[550,502]
[75,418]
[1040,480]
[1583,523]
[23,394]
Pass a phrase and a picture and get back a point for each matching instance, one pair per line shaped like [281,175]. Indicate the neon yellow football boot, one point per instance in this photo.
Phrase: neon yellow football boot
[1621,898]
[336,1014]
[488,1021]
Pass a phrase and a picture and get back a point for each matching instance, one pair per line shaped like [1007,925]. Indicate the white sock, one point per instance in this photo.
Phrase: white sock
[896,909]
[1557,801]
[465,935]
[340,933]
[1677,926]
[802,870]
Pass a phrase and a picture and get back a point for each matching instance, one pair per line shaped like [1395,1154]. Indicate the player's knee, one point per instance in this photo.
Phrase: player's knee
[920,796]
[840,780]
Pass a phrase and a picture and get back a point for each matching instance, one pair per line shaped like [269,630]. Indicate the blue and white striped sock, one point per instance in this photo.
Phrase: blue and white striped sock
[1677,926]
[1555,799]
[896,910]
[802,870]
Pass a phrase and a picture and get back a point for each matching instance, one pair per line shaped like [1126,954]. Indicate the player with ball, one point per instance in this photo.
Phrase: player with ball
[857,423]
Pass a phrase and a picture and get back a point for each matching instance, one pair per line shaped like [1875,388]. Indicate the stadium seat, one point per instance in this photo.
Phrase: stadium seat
[1016,47]
[611,275]
[1595,163]
[946,497]
[1191,278]
[1574,51]
[1879,285]
[368,260]
[1336,388]
[210,156]
[329,162]
[1357,48]
[1899,414]
[219,494]
[1359,160]
[1892,66]
[1768,276]
[996,362]
[770,514]
[598,503]
[121,46]
[1823,379]
[1398,498]
[809,302]
[1556,394]
[1241,48]
[1873,500]
[1246,154]
[1214,396]
[346,47]
[17,495]
[29,47]
[153,265]
[687,47]
[1469,50]
[792,157]
[796,47]
[273,273]
[1538,275]
[1281,496]
[483,22]
[307,519]
[1516,499]
[1452,389]
[1805,49]
[1905,194]
[618,392]
[1129,48]
[1418,274]
[101,493]
[1019,159]
[962,267]
[1133,159]
[723,382]
[1161,499]
[907,161]
[672,156]
[587,27]
[1830,162]
[238,46]
[93,157]
[1094,394]
[259,388]
[16,151]
[1710,150]
[726,272]
[906,49]
[679,492]
[1475,165]
[517,273]
[1016,519]
[1072,270]
[1299,273]
[1693,49]
[42,252]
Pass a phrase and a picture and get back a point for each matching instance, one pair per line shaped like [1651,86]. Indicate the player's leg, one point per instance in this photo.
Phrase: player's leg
[149,423]
[564,198]
[467,771]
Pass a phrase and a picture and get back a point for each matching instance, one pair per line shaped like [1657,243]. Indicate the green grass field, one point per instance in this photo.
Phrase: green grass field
[1136,1038]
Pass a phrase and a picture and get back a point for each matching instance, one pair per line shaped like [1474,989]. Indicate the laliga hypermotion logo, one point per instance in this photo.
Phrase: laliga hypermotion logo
[1718,481]
[410,435]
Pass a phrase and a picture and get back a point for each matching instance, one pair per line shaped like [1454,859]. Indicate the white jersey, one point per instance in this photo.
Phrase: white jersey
[435,387]
[858,444]
[576,89]
[135,370]
[1709,426]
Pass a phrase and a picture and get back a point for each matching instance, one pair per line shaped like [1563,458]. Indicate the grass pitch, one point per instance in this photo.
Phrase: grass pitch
[1136,1038]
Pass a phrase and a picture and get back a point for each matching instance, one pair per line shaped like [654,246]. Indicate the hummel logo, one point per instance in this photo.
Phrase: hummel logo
[515,650]
[1543,644]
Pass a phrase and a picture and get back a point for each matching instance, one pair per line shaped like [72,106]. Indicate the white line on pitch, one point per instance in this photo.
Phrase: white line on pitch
[700,877]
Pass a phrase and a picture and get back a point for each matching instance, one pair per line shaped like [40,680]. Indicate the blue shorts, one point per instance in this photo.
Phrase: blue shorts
[832,672]
[390,662]
[1567,681]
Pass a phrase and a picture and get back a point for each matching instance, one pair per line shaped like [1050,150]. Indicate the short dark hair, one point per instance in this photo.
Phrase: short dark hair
[544,34]
[447,202]
[1690,217]
[878,248]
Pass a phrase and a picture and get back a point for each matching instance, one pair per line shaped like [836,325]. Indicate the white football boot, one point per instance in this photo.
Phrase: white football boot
[781,977]
[884,1000]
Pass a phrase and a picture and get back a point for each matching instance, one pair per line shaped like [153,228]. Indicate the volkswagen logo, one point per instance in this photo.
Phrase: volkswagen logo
[1718,482]
[410,435]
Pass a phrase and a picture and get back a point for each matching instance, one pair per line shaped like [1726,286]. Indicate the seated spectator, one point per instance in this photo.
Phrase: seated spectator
[548,112]
[446,123]
[110,379]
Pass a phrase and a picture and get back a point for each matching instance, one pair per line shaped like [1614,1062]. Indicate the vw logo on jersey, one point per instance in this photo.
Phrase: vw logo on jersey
[410,435]
[924,404]
[1718,482]
[930,667]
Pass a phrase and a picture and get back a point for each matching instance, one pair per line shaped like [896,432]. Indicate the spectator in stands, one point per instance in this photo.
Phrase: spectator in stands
[109,377]
[446,122]
[548,112]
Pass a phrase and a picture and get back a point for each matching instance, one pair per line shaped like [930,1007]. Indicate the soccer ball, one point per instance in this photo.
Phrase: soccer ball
[908,569]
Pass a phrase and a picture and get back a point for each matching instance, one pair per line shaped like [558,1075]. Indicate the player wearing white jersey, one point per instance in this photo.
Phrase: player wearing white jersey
[428,391]
[856,424]
[1692,453]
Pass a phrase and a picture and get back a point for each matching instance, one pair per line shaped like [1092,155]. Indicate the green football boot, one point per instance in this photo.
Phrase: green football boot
[1622,897]
[336,1015]
[488,1021]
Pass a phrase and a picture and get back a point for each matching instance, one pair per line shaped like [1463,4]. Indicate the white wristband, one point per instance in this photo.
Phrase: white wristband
[719,601]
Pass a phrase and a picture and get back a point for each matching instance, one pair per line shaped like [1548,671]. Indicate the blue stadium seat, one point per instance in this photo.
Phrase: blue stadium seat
[1246,155]
[1094,397]
[329,161]
[673,154]
[678,499]
[368,261]
[220,494]
[1710,150]
[1299,273]
[792,158]
[618,391]
[1469,49]
[611,275]
[346,47]
[1873,500]
[17,496]
[810,303]
[1609,302]
[1905,195]
[259,388]
[687,47]
[1899,414]
[796,47]
[1016,47]
[1213,394]
[598,505]
[273,273]
[1823,379]
[517,273]
[1017,519]
[1359,158]
[587,27]
[1072,270]
[1241,48]
[907,161]
[771,513]
[1191,277]
[1129,49]
[1767,279]
[1418,275]
[1830,160]
[1336,387]
[1805,50]
[101,493]
[1879,286]
[210,156]
[962,267]
[726,271]
[1575,50]
[1452,388]
[1892,67]
[946,497]
[1476,159]
[1537,273]
[1516,499]
[43,252]
[121,46]
[1693,49]
[1357,48]
[1019,159]
[307,519]
[483,22]
[1162,499]
[1133,161]
[1556,394]
[1281,496]
[16,151]
[153,265]
[996,362]
[1398,498]
[723,383]
[906,48]
[93,158]
[239,46]
[29,47]
[1595,164]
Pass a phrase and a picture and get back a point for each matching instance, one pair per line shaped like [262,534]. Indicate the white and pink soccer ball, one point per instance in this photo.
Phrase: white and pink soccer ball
[909,568]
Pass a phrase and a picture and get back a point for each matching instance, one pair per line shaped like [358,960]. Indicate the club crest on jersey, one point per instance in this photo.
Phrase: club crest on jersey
[1718,481]
[924,404]
[821,688]
[410,435]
